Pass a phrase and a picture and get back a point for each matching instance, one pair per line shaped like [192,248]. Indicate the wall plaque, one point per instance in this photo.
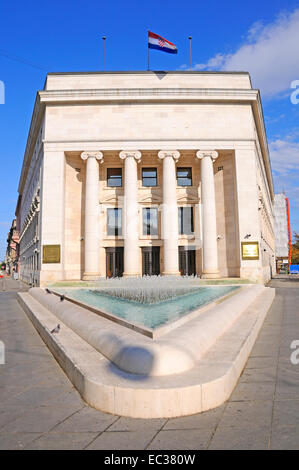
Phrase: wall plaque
[250,250]
[51,253]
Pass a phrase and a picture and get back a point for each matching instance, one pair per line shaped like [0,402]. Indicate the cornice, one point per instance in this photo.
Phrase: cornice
[134,95]
[124,94]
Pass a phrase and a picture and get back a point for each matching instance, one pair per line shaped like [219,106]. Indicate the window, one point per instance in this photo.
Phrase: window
[150,221]
[114,225]
[149,176]
[114,177]
[184,176]
[186,226]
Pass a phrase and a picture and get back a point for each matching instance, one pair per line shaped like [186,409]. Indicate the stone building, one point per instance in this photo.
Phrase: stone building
[132,173]
[281,232]
[12,250]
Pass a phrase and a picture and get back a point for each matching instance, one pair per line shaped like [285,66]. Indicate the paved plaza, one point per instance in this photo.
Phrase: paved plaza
[40,409]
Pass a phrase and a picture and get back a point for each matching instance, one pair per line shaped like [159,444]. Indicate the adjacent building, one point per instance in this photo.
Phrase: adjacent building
[146,173]
[282,232]
[12,250]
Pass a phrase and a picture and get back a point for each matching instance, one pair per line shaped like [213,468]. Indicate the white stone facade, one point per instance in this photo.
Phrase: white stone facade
[281,226]
[206,125]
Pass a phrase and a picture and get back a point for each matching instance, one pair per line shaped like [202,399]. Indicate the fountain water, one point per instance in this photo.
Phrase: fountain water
[150,301]
[148,289]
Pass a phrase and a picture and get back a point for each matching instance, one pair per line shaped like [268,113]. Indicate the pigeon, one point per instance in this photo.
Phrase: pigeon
[48,291]
[62,298]
[56,329]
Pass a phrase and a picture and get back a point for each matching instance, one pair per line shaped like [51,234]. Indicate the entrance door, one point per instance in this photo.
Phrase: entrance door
[151,261]
[114,261]
[187,264]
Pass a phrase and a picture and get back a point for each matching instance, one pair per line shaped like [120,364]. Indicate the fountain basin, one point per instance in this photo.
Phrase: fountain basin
[151,319]
[174,352]
[105,386]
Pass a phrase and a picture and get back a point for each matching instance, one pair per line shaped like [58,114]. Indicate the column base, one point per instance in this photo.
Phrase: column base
[90,276]
[210,275]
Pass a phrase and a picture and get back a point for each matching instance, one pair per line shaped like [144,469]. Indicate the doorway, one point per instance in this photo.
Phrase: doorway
[114,261]
[187,261]
[151,261]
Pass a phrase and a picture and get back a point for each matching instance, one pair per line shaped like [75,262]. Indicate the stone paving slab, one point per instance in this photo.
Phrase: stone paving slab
[62,441]
[16,441]
[241,438]
[183,439]
[262,413]
[119,440]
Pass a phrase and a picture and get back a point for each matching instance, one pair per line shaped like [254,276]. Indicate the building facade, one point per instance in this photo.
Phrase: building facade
[143,173]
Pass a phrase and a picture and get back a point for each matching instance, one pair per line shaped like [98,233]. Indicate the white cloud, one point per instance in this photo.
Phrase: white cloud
[215,62]
[284,156]
[270,54]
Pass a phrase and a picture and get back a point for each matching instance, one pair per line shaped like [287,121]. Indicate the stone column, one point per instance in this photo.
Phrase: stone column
[130,220]
[170,212]
[209,230]
[91,235]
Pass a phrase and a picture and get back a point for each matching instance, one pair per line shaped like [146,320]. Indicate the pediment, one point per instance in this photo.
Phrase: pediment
[113,199]
[150,198]
[189,198]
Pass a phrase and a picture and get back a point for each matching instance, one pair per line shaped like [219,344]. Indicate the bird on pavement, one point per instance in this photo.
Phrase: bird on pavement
[48,291]
[56,329]
[62,298]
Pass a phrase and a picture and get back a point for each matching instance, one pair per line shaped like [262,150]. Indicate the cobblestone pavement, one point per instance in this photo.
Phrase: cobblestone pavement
[40,409]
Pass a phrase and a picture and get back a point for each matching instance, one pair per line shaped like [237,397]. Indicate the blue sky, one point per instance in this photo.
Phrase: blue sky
[54,36]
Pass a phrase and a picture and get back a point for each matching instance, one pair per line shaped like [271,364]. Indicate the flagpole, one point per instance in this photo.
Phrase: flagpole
[190,39]
[148,66]
[104,39]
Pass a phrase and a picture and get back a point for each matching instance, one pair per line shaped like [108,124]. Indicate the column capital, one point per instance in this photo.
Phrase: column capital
[130,153]
[98,155]
[207,153]
[175,154]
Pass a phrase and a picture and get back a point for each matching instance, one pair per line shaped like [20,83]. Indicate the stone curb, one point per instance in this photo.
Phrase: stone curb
[106,387]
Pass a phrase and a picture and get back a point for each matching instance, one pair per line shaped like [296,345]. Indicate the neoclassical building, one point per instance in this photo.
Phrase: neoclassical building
[142,173]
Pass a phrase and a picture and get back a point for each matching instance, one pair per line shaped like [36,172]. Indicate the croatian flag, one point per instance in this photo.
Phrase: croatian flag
[157,42]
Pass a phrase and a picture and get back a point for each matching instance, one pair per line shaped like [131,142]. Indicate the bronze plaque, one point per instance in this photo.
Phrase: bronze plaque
[250,250]
[51,253]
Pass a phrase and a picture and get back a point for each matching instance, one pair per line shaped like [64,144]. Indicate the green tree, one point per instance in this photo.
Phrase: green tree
[295,249]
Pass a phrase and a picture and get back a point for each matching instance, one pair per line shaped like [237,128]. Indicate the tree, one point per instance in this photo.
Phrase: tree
[295,249]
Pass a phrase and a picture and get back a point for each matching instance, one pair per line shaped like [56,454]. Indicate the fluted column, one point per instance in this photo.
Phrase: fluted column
[209,230]
[91,234]
[170,212]
[131,225]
